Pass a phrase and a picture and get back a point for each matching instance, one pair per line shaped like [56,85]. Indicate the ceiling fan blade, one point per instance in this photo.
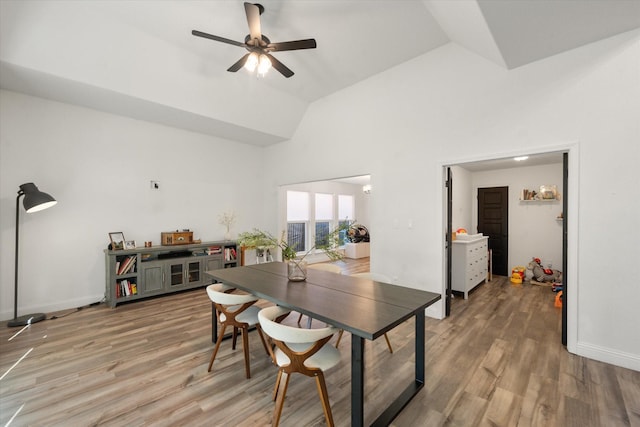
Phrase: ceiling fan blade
[292,45]
[253,19]
[217,38]
[283,69]
[235,67]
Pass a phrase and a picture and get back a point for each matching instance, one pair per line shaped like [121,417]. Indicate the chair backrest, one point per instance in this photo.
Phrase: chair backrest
[289,334]
[217,295]
[326,267]
[378,277]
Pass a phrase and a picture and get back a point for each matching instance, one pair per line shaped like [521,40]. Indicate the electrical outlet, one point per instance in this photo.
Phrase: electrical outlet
[155,185]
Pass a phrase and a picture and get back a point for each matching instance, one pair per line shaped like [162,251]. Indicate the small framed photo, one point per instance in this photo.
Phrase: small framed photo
[130,244]
[548,192]
[117,240]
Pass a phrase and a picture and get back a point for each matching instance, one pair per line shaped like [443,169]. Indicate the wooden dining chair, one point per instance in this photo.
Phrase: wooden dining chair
[324,267]
[306,351]
[378,278]
[236,311]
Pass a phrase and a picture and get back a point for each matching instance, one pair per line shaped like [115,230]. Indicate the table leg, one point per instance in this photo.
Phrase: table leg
[357,381]
[415,386]
[420,350]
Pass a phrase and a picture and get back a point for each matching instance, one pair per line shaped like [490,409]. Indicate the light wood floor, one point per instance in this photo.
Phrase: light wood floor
[497,361]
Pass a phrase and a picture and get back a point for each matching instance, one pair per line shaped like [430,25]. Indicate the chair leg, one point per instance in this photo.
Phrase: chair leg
[245,349]
[324,398]
[234,338]
[264,343]
[275,389]
[339,337]
[215,349]
[388,343]
[299,319]
[280,401]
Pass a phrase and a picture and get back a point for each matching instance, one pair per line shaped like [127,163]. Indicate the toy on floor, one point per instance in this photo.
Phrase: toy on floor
[541,274]
[517,274]
[558,301]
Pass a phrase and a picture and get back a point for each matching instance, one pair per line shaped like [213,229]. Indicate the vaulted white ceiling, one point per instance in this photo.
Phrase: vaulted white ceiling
[139,59]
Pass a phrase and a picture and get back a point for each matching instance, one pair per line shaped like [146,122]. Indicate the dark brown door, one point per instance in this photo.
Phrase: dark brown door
[493,221]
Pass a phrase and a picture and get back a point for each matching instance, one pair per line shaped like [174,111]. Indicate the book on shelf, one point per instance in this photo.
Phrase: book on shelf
[230,254]
[126,265]
[131,267]
[214,250]
[125,288]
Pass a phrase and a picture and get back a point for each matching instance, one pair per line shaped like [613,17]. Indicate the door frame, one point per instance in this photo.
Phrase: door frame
[571,219]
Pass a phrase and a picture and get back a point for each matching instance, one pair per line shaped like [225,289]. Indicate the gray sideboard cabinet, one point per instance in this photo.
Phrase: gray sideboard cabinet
[143,272]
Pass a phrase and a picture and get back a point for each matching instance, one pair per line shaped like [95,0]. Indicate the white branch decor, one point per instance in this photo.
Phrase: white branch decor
[227,219]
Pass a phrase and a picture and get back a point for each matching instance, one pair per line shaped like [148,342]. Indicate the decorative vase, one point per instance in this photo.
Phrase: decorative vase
[227,235]
[297,270]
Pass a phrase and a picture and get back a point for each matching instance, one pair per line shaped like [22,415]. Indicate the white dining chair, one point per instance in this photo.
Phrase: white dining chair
[324,267]
[378,277]
[306,351]
[237,311]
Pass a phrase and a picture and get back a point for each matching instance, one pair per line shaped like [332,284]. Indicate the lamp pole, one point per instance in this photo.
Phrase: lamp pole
[15,288]
[34,200]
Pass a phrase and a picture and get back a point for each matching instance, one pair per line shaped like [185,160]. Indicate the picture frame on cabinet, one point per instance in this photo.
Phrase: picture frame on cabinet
[117,240]
[130,244]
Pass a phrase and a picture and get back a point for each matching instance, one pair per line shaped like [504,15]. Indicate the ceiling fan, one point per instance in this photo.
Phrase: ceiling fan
[259,46]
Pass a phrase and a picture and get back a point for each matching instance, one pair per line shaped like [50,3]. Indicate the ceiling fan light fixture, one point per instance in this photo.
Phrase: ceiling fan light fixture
[252,62]
[264,65]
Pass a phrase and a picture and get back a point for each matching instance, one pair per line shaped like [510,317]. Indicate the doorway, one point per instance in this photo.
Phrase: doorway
[493,221]
[468,193]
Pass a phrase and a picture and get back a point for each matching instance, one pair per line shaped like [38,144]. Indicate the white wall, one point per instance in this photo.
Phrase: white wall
[534,230]
[450,106]
[462,200]
[99,166]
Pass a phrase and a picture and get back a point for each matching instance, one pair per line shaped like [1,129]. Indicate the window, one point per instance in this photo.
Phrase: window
[297,219]
[323,217]
[316,214]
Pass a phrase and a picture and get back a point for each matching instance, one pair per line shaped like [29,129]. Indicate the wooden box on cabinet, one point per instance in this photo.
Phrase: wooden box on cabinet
[469,264]
[163,269]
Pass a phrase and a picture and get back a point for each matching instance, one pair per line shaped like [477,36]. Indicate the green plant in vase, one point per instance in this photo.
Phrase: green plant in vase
[296,265]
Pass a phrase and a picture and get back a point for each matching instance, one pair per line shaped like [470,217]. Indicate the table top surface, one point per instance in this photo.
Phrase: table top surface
[363,307]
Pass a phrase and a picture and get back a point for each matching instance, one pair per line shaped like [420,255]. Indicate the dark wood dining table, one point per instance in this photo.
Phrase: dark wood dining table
[365,308]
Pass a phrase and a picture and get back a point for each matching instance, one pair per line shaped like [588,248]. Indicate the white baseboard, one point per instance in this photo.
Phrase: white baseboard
[64,305]
[603,354]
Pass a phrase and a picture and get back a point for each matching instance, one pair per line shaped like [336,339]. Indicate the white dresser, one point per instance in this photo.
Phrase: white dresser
[469,264]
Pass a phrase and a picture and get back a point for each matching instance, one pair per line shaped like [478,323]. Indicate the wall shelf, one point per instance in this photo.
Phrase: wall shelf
[545,194]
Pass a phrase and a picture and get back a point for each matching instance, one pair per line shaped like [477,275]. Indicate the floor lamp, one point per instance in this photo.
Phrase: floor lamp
[34,201]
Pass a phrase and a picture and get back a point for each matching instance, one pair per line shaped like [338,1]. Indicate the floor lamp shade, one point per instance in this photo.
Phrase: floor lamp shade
[34,201]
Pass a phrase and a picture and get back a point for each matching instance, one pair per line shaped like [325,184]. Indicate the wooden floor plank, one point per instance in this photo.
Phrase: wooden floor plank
[496,361]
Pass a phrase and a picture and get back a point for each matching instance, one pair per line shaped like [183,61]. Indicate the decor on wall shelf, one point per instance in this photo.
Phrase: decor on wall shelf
[34,201]
[546,193]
